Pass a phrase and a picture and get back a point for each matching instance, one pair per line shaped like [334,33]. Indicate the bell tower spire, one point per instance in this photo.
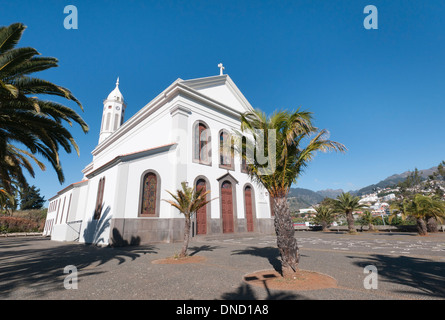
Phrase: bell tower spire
[113,113]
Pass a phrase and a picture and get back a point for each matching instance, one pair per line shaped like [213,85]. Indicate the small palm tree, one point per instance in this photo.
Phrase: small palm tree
[398,209]
[422,207]
[25,118]
[325,216]
[346,204]
[288,141]
[367,219]
[188,201]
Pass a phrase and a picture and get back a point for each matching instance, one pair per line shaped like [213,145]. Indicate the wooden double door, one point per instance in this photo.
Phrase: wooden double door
[201,214]
[248,199]
[227,207]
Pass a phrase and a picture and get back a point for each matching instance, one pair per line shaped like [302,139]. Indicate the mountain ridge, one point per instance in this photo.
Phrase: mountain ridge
[300,198]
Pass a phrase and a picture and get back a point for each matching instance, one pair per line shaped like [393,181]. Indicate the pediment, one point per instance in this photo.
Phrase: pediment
[229,177]
[221,89]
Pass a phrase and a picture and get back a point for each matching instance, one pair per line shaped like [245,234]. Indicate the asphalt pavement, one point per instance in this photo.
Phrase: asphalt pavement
[406,266]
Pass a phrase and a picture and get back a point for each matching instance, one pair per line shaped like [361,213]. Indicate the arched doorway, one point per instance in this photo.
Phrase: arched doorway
[227,207]
[201,214]
[249,208]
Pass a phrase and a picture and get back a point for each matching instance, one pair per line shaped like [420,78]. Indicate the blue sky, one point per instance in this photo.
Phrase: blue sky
[379,92]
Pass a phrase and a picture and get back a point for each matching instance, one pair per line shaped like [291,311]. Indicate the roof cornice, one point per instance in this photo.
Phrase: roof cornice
[176,88]
[129,157]
[219,80]
[71,186]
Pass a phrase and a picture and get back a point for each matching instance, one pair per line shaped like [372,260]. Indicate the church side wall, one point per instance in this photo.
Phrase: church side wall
[158,164]
[92,230]
[128,226]
[50,218]
[80,203]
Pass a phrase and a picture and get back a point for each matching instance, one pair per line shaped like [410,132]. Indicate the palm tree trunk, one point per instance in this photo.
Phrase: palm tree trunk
[324,226]
[186,236]
[286,242]
[431,225]
[421,227]
[350,220]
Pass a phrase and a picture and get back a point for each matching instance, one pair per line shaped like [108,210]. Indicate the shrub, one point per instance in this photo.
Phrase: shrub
[13,224]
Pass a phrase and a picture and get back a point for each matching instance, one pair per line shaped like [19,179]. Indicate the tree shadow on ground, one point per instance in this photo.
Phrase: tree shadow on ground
[245,292]
[425,275]
[196,249]
[38,265]
[392,233]
[270,253]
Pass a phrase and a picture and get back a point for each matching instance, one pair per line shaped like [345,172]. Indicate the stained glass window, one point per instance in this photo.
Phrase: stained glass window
[224,150]
[149,194]
[201,143]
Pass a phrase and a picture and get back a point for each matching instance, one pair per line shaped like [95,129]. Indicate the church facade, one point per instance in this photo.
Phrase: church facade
[175,138]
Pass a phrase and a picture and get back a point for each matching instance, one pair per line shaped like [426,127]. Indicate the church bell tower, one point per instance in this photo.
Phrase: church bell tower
[113,113]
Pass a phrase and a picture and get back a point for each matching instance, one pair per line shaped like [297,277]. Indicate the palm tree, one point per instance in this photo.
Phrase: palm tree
[6,200]
[325,216]
[423,207]
[292,142]
[188,201]
[346,204]
[25,118]
[368,219]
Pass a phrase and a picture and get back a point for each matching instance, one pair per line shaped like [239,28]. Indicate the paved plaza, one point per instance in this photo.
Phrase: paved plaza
[408,267]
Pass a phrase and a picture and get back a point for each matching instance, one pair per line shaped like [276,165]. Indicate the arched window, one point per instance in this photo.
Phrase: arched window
[149,197]
[225,153]
[244,155]
[201,143]
[99,199]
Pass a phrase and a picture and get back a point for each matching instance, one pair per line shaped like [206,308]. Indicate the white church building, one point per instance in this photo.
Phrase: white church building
[175,138]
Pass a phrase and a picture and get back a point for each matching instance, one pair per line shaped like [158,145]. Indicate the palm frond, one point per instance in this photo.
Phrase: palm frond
[24,118]
[10,36]
[188,200]
[288,154]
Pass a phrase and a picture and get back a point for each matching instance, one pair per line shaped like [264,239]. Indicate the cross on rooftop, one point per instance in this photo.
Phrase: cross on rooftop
[221,68]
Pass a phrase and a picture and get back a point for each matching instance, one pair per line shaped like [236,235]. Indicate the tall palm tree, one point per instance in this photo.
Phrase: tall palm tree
[26,119]
[423,207]
[276,150]
[346,204]
[188,201]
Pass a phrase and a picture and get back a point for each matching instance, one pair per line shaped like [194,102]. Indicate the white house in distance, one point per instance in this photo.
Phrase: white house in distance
[174,138]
